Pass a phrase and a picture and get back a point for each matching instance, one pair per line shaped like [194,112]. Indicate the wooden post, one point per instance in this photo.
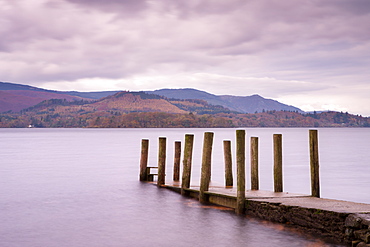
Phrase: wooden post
[240,165]
[161,161]
[206,166]
[278,163]
[188,155]
[144,159]
[176,165]
[254,164]
[228,164]
[314,163]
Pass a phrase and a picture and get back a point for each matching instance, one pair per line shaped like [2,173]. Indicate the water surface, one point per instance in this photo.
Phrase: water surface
[79,187]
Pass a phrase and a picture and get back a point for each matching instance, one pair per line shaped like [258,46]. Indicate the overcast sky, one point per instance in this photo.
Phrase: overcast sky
[313,54]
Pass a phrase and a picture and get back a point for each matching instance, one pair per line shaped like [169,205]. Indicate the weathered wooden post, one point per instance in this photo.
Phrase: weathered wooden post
[206,166]
[278,163]
[176,165]
[314,163]
[161,161]
[228,163]
[240,169]
[254,164]
[144,159]
[188,155]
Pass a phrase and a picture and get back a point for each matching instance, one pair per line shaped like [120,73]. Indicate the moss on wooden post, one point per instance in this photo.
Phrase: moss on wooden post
[278,163]
[161,161]
[240,165]
[254,164]
[228,163]
[176,163]
[144,159]
[188,155]
[206,166]
[314,163]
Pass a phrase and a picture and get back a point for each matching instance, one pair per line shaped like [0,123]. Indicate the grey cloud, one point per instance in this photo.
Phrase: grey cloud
[22,25]
[128,7]
[358,7]
[183,9]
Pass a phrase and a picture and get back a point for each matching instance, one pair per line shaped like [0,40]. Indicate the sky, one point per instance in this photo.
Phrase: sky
[313,54]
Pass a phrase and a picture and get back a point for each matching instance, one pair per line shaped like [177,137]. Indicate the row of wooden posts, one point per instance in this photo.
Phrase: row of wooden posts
[145,173]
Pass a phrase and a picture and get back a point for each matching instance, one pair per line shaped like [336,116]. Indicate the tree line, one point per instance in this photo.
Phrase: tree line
[53,117]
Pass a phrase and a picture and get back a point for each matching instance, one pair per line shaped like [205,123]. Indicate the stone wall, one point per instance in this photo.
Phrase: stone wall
[325,224]
[336,227]
[358,229]
[350,229]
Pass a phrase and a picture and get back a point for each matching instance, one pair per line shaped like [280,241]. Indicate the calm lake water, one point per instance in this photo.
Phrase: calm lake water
[79,187]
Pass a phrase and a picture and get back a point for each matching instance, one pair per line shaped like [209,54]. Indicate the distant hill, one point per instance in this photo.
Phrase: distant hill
[188,93]
[16,100]
[126,102]
[23,106]
[144,110]
[139,110]
[15,97]
[243,104]
[13,86]
[89,95]
[256,103]
[4,86]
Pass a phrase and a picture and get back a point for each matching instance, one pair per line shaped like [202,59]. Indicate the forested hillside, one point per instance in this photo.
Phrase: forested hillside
[143,110]
[56,117]
[15,97]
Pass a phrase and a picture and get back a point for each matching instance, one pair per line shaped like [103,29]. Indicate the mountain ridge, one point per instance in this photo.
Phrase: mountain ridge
[243,104]
[127,109]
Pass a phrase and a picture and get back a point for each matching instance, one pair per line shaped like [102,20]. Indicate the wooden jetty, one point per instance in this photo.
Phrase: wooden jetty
[334,220]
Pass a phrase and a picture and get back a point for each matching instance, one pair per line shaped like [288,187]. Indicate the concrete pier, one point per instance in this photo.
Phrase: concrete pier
[336,221]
